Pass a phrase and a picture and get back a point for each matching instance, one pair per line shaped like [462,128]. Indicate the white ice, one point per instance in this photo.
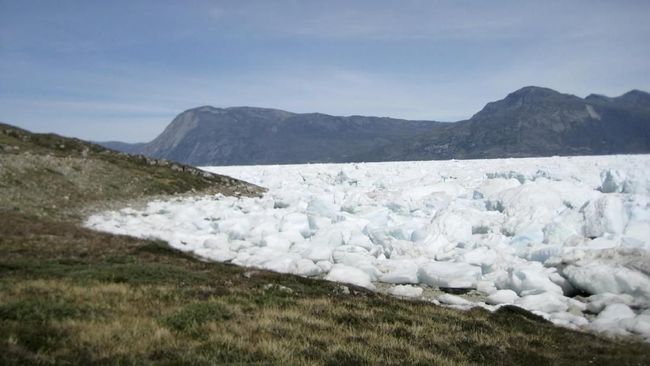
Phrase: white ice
[406,291]
[565,237]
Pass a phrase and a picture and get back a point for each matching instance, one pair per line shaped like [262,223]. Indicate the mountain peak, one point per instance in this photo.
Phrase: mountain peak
[527,96]
[247,111]
[633,98]
[597,98]
[636,93]
[534,90]
[636,97]
[531,94]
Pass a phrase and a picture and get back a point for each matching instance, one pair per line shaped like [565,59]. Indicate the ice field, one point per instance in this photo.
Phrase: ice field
[565,237]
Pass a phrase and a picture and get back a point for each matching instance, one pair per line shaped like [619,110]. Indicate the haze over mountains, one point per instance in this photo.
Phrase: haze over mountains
[531,121]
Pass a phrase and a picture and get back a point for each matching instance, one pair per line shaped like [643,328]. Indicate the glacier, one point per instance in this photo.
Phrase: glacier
[567,238]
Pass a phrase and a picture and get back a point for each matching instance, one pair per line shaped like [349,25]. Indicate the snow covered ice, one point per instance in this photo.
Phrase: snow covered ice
[565,237]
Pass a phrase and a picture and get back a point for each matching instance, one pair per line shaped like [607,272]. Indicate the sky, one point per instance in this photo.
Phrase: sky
[122,70]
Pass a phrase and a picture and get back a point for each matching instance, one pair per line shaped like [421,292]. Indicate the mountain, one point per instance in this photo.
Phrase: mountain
[124,146]
[246,135]
[536,121]
[531,121]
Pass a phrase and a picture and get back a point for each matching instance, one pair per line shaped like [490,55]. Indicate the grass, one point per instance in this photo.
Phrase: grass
[192,317]
[53,176]
[69,295]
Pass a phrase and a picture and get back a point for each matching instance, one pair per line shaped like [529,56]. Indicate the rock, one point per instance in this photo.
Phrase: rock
[273,286]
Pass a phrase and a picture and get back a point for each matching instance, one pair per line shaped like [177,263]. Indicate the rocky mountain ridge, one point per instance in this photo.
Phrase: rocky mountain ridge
[531,121]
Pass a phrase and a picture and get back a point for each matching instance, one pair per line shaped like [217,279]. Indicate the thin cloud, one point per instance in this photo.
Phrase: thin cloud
[435,20]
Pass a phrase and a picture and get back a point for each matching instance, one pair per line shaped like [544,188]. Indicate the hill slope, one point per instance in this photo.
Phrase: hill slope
[532,121]
[46,173]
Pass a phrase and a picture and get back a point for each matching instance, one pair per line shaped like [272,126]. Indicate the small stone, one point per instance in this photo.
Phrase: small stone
[345,290]
[282,288]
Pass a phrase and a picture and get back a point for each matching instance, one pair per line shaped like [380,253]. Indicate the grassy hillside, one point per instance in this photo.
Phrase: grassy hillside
[50,175]
[69,295]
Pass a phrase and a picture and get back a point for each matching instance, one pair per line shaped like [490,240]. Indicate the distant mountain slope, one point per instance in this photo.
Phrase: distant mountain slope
[532,121]
[537,121]
[246,135]
[123,146]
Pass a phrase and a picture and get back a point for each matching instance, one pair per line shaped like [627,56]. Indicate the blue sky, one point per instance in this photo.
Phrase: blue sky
[121,70]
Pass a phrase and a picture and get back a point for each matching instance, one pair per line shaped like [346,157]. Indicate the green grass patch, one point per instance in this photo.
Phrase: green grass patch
[42,310]
[195,315]
[117,270]
[34,337]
